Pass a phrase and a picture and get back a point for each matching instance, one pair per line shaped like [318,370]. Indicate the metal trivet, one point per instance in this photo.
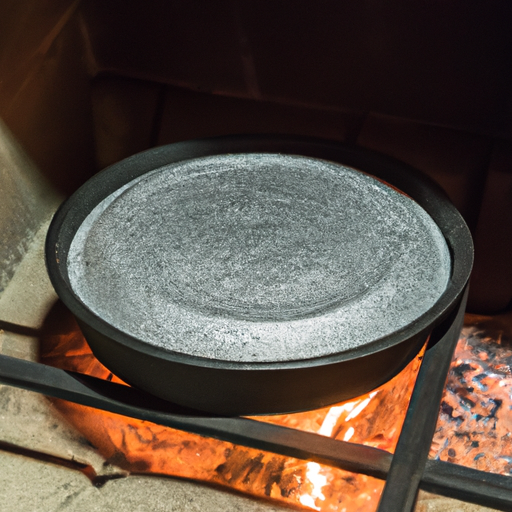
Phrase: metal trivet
[405,472]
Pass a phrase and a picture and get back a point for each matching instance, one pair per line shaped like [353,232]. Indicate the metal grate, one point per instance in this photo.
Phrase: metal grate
[405,472]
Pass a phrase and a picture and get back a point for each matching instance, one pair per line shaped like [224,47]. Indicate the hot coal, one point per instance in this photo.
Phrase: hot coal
[475,422]
[258,257]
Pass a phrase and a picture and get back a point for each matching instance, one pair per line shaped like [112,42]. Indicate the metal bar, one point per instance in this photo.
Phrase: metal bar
[413,446]
[466,484]
[120,399]
[19,329]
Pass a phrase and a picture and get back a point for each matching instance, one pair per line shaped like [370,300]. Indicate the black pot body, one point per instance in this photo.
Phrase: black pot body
[257,388]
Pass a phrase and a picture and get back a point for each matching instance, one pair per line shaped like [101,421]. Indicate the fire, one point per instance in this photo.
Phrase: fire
[475,422]
[318,482]
[374,419]
[313,473]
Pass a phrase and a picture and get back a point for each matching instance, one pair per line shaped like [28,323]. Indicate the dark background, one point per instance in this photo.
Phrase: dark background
[84,84]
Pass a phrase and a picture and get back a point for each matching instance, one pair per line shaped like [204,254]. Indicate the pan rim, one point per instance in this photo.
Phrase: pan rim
[418,186]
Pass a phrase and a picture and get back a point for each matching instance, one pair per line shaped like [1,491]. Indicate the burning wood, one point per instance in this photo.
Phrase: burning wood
[374,419]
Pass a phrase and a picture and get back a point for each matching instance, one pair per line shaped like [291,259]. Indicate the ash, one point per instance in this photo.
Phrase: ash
[258,258]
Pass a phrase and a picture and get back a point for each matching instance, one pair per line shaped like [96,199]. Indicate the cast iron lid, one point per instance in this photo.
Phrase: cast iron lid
[260,250]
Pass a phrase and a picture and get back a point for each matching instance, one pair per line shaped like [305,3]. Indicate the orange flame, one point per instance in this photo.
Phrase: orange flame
[374,419]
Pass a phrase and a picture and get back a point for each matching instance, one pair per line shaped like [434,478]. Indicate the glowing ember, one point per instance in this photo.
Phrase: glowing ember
[137,446]
[475,421]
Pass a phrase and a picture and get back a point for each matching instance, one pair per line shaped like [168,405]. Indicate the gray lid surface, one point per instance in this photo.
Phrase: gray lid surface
[258,258]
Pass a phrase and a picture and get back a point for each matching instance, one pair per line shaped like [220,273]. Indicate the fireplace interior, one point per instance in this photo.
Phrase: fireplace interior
[87,83]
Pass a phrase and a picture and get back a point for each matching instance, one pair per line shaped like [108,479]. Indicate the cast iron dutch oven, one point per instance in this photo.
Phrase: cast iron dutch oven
[273,380]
